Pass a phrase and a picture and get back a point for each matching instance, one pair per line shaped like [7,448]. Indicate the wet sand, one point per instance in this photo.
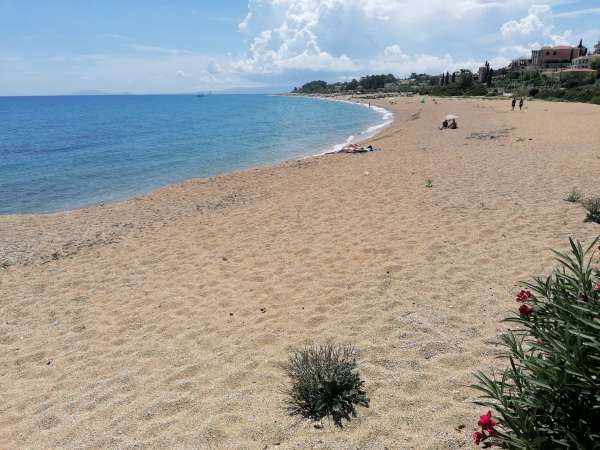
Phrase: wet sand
[160,322]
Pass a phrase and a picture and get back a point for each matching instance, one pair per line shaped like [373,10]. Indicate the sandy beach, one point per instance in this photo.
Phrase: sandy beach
[161,322]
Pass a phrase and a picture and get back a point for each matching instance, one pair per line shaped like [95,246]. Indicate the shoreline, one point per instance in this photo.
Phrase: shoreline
[371,132]
[387,118]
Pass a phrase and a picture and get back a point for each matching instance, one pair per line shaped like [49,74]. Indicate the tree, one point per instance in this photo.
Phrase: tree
[595,64]
[489,76]
[352,85]
[466,79]
[447,78]
[314,87]
[454,77]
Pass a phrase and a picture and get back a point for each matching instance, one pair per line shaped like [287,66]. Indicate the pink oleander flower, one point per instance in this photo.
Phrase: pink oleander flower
[477,437]
[525,310]
[486,422]
[598,287]
[523,296]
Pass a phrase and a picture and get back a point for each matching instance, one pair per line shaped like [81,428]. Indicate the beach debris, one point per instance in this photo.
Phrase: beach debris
[485,135]
[355,148]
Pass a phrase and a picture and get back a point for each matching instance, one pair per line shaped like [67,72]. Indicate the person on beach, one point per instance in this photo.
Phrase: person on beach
[514,103]
[445,124]
[521,105]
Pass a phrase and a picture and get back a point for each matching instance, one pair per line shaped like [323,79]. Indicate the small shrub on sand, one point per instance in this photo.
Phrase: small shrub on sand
[549,397]
[574,196]
[593,208]
[325,383]
[429,184]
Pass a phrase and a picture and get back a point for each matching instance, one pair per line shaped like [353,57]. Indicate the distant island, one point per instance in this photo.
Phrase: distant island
[95,92]
[552,73]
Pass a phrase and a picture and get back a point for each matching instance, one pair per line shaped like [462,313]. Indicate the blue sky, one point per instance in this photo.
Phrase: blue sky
[151,46]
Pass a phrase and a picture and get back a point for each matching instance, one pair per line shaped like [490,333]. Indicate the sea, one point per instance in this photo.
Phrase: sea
[65,152]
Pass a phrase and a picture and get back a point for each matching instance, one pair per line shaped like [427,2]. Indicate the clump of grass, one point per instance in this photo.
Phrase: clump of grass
[429,184]
[325,382]
[574,196]
[592,205]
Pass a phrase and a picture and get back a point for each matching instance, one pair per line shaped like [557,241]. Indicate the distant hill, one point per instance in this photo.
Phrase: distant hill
[94,92]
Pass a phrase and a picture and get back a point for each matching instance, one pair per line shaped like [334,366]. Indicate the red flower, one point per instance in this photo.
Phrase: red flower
[523,296]
[525,310]
[477,437]
[598,287]
[486,422]
[491,432]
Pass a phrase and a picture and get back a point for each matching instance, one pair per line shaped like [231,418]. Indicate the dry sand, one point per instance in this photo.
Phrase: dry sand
[160,322]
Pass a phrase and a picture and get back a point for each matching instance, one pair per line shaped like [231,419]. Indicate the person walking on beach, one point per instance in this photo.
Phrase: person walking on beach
[514,103]
[521,105]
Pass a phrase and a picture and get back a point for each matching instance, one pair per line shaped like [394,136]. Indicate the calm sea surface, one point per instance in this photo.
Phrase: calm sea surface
[59,153]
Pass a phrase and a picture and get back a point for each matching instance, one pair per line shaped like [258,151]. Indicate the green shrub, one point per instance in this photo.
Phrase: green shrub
[574,196]
[592,205]
[477,90]
[325,383]
[548,94]
[595,100]
[549,396]
[533,92]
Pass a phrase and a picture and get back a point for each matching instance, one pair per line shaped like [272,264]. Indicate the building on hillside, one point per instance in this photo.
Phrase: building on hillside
[585,62]
[597,48]
[519,64]
[557,57]
[572,75]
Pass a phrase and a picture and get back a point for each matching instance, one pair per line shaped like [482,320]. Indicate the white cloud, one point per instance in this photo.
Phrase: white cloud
[340,36]
[538,21]
[534,30]
[394,60]
[159,50]
[578,13]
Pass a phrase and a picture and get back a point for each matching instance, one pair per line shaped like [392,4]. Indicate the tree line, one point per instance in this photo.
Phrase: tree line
[367,83]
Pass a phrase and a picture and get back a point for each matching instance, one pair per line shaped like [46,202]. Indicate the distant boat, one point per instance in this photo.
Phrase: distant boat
[204,95]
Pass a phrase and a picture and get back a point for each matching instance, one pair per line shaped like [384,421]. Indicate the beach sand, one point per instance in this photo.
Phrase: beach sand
[160,322]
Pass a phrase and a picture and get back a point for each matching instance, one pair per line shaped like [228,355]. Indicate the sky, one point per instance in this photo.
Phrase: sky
[175,46]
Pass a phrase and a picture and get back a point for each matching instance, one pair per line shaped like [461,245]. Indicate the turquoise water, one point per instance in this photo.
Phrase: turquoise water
[60,153]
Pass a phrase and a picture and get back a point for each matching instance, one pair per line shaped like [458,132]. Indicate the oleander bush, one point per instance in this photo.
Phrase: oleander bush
[592,205]
[325,383]
[548,397]
[574,196]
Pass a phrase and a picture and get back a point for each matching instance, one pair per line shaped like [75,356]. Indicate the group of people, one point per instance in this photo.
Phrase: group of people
[451,124]
[514,103]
